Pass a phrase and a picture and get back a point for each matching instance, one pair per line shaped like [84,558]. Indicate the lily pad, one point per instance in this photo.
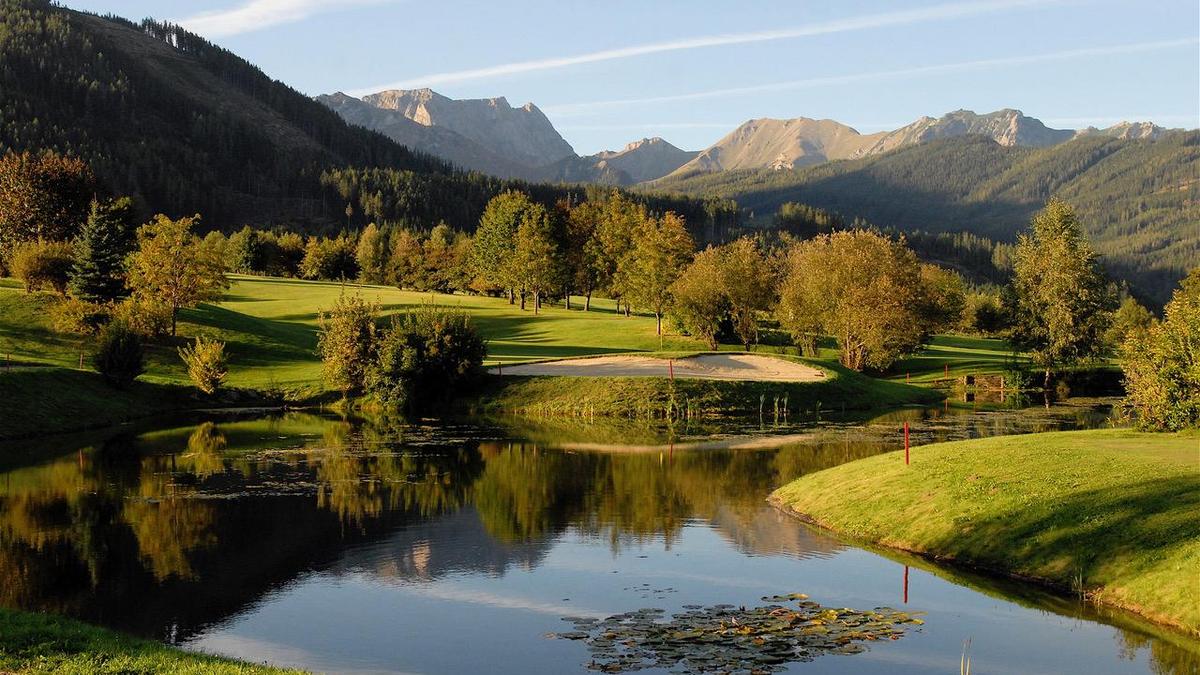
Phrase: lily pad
[726,638]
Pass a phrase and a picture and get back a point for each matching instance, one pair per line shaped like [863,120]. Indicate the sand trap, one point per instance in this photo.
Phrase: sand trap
[746,367]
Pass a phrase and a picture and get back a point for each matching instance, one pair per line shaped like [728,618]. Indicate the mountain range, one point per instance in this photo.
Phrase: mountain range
[490,136]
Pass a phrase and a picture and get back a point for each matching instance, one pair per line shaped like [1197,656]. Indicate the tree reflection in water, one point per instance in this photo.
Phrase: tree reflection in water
[191,524]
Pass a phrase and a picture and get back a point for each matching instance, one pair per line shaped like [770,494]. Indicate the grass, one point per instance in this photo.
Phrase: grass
[269,326]
[962,355]
[47,400]
[1108,513]
[42,643]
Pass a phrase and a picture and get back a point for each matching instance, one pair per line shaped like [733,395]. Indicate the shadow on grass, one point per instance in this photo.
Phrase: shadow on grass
[1125,531]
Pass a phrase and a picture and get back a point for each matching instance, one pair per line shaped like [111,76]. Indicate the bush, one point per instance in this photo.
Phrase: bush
[119,355]
[426,357]
[145,315]
[205,362]
[73,315]
[1162,364]
[346,342]
[44,264]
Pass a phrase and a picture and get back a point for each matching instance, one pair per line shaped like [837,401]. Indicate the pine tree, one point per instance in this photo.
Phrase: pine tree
[104,241]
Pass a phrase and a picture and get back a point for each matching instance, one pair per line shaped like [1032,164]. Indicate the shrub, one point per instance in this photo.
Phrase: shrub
[1162,364]
[426,357]
[44,264]
[346,342]
[145,315]
[81,317]
[205,362]
[119,356]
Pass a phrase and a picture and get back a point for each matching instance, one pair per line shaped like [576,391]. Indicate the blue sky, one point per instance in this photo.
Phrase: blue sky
[610,72]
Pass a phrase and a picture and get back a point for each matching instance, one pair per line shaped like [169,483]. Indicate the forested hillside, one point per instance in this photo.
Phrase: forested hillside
[185,127]
[1137,198]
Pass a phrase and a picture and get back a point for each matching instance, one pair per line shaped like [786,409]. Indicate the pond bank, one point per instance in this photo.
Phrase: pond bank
[1109,514]
[43,401]
[45,643]
[661,397]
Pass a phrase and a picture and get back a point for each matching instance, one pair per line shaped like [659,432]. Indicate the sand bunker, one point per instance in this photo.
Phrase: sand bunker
[746,367]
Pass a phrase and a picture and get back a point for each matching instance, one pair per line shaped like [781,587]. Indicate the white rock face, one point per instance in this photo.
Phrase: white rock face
[522,135]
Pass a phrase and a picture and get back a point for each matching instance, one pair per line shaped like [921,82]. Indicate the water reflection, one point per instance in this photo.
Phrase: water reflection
[170,532]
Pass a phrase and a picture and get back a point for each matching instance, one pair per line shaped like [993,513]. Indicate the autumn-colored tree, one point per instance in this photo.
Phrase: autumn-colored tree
[170,266]
[662,247]
[859,286]
[346,342]
[748,284]
[407,262]
[1059,299]
[1162,364]
[700,300]
[330,258]
[42,197]
[106,239]
[945,298]
[43,264]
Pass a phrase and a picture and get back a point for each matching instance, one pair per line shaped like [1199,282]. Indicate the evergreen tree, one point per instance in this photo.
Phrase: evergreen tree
[104,241]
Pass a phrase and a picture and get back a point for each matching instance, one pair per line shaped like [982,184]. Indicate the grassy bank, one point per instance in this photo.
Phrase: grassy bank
[42,400]
[653,397]
[1109,513]
[41,643]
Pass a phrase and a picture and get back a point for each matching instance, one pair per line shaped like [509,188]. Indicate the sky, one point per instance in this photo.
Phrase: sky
[690,71]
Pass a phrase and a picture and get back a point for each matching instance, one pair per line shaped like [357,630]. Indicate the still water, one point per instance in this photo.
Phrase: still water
[361,546]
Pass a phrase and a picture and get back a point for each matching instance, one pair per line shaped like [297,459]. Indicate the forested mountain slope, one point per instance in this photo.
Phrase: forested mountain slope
[1139,199]
[186,127]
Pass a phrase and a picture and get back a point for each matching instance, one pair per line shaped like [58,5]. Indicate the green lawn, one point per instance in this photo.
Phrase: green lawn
[1108,512]
[42,643]
[270,329]
[964,355]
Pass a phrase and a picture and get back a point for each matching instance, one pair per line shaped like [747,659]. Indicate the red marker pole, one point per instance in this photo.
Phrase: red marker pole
[906,584]
[906,444]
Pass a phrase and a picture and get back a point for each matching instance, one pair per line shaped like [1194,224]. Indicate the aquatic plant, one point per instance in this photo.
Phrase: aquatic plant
[726,638]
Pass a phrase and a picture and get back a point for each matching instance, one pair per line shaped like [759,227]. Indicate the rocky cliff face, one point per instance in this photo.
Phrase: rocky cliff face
[1127,130]
[1006,127]
[522,135]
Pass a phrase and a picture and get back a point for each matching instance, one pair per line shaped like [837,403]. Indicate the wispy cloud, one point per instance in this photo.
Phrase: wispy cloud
[880,20]
[566,109]
[259,14]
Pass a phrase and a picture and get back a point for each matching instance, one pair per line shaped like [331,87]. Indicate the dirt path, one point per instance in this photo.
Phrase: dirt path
[748,367]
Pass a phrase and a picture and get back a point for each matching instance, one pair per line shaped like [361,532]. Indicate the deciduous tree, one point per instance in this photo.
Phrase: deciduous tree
[661,249]
[1162,364]
[170,266]
[1059,299]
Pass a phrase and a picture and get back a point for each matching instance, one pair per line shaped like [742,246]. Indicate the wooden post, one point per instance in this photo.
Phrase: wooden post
[907,378]
[906,443]
[671,368]
[947,369]
[906,584]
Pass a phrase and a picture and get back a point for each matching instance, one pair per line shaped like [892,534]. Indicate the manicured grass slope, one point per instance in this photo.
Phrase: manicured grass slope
[42,643]
[1112,512]
[269,326]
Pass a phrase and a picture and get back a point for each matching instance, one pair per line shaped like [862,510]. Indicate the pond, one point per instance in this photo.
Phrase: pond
[459,546]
